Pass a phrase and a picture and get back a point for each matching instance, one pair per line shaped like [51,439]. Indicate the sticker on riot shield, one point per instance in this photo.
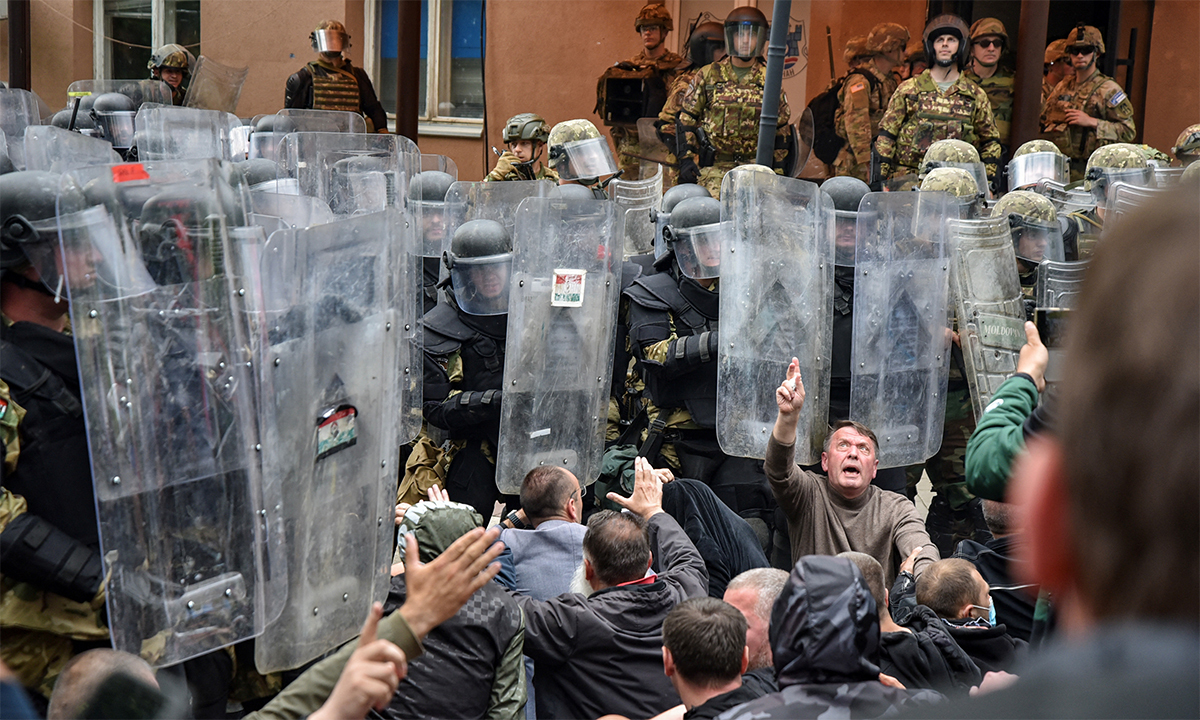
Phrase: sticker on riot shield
[336,430]
[568,288]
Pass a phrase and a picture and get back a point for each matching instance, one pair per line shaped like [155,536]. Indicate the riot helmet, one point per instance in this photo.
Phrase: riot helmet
[480,263]
[1118,162]
[258,170]
[268,131]
[1155,157]
[330,37]
[662,216]
[1035,161]
[173,225]
[706,40]
[579,152]
[427,203]
[887,37]
[695,236]
[362,183]
[947,25]
[32,202]
[958,183]
[846,192]
[745,32]
[948,153]
[113,114]
[1191,173]
[1034,225]
[1187,145]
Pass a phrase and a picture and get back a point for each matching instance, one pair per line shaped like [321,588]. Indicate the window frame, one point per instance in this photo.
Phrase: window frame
[437,74]
[100,58]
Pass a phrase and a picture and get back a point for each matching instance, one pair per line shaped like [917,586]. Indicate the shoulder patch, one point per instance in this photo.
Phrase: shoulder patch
[857,87]
[993,405]
[1117,98]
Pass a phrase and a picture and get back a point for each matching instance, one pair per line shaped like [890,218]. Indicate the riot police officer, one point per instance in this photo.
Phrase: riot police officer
[427,203]
[173,65]
[331,83]
[464,363]
[525,135]
[581,156]
[1035,161]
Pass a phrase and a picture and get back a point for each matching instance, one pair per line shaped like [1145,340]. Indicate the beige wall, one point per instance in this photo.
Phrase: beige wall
[846,20]
[1173,96]
[62,50]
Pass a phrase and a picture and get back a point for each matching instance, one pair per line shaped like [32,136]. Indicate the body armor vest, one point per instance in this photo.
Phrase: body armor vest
[334,89]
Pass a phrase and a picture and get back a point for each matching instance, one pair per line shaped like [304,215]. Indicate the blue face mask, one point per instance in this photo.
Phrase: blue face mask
[991,608]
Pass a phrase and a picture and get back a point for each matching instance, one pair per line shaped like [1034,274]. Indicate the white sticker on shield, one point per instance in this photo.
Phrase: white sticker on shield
[568,288]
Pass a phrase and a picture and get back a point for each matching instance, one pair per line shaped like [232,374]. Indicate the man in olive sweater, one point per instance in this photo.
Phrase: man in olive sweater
[843,511]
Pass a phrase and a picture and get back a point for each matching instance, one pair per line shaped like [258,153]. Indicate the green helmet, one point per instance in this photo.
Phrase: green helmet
[1025,203]
[1115,157]
[1187,145]
[1036,146]
[526,126]
[958,152]
[172,56]
[955,181]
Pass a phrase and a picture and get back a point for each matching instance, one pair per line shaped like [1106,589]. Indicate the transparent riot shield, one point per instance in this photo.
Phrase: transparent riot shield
[989,304]
[776,304]
[139,91]
[440,163]
[497,201]
[277,211]
[53,149]
[1122,199]
[324,120]
[1028,170]
[900,351]
[976,170]
[638,198]
[652,147]
[1059,283]
[1065,200]
[18,110]
[356,173]
[329,424]
[1165,177]
[188,530]
[803,132]
[214,86]
[183,133]
[562,314]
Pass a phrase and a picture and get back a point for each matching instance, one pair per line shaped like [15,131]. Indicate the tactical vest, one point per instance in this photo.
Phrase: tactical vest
[430,268]
[54,472]
[479,340]
[334,90]
[693,310]
[843,321]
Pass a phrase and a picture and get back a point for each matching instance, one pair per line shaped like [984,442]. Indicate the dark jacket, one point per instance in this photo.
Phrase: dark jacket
[927,657]
[603,653]
[995,561]
[991,647]
[719,704]
[298,94]
[825,640]
[722,537]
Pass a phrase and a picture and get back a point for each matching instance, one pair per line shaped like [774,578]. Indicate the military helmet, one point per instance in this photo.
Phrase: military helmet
[258,170]
[1085,35]
[1118,156]
[694,234]
[579,152]
[113,115]
[1191,173]
[172,56]
[1036,146]
[329,36]
[947,25]
[662,217]
[430,186]
[1118,162]
[436,525]
[278,124]
[1154,156]
[955,181]
[988,26]
[950,152]
[856,50]
[526,126]
[1026,203]
[1187,145]
[480,262]
[846,192]
[654,14]
[1056,51]
[745,32]
[887,37]
[1035,161]
[706,39]
[681,192]
[112,102]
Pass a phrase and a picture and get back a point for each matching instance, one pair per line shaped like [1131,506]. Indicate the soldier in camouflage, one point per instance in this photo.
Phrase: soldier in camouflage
[719,117]
[938,104]
[1088,109]
[1119,162]
[1056,66]
[706,45]
[331,83]
[580,155]
[989,40]
[173,65]
[1187,145]
[864,97]
[525,134]
[653,23]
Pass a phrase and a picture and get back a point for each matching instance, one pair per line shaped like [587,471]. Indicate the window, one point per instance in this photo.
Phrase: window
[451,63]
[136,26]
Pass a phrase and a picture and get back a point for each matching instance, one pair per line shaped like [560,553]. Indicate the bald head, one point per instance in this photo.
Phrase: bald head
[81,677]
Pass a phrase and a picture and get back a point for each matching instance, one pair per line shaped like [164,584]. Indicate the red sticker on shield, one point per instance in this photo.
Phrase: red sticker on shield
[133,171]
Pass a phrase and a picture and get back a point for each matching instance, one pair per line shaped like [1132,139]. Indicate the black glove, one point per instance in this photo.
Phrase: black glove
[689,172]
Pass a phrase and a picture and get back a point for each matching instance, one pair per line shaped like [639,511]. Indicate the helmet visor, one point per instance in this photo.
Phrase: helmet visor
[1026,171]
[590,158]
[329,41]
[745,40]
[116,127]
[481,283]
[846,224]
[1103,179]
[698,250]
[431,223]
[1036,240]
[975,169]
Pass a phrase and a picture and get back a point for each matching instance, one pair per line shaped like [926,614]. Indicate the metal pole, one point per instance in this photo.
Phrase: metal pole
[19,73]
[408,68]
[771,89]
[1031,50]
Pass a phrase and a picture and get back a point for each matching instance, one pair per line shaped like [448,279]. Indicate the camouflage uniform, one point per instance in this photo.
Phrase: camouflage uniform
[861,104]
[726,109]
[999,89]
[506,169]
[625,138]
[1099,96]
[919,114]
[676,91]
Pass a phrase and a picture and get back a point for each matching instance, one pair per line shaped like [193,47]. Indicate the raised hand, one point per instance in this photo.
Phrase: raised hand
[646,499]
[789,396]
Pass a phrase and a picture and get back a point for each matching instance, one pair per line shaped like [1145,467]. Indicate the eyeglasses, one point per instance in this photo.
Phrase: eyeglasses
[989,43]
[1081,50]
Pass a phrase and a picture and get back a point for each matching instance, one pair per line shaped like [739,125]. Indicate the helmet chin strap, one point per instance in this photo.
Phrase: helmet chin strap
[945,63]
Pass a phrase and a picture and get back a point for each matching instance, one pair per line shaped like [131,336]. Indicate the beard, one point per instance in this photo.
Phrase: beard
[579,583]
[762,658]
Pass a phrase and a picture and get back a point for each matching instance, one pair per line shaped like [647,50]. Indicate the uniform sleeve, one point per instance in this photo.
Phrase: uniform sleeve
[508,696]
[856,116]
[989,136]
[1116,125]
[691,110]
[998,438]
[889,130]
[298,91]
[782,130]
